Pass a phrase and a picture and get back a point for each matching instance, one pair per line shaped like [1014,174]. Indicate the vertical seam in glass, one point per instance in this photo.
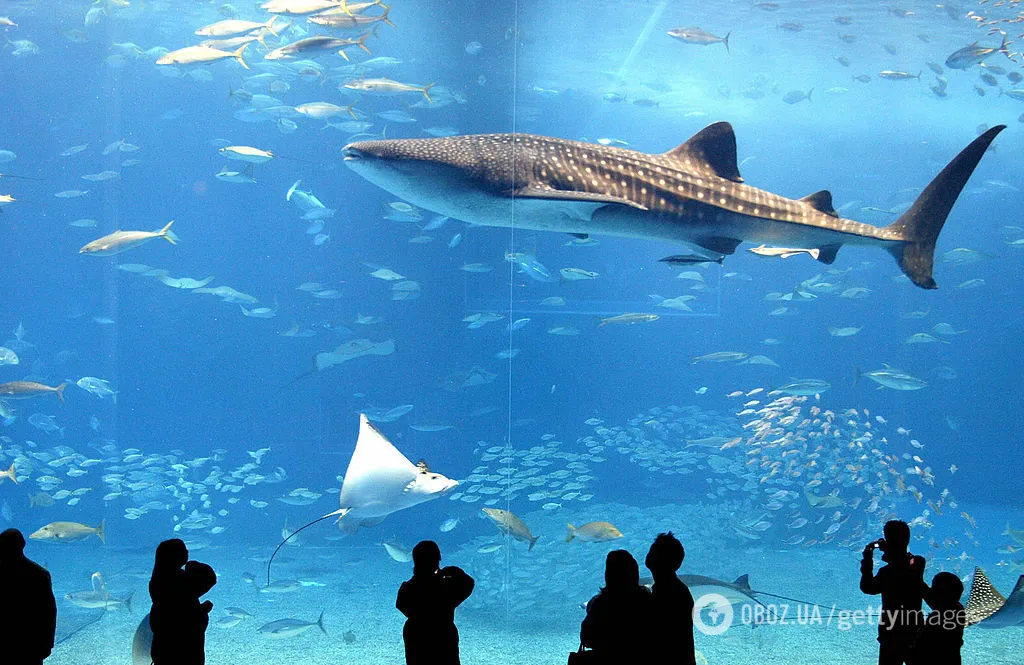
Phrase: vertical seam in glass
[511,286]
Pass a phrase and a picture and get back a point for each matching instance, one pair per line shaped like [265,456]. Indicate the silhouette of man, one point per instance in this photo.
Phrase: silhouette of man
[178,619]
[671,604]
[428,601]
[939,640]
[28,613]
[901,583]
[617,626]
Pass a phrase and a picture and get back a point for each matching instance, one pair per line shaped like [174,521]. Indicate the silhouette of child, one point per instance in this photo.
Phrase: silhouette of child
[901,583]
[200,578]
[428,600]
[671,603]
[178,619]
[28,611]
[617,625]
[939,640]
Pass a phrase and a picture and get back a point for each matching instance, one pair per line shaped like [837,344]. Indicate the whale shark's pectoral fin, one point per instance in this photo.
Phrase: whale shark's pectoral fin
[827,253]
[540,192]
[718,244]
[712,149]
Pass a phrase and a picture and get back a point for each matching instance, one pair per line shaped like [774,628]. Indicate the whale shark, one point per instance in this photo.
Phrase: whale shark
[379,480]
[692,195]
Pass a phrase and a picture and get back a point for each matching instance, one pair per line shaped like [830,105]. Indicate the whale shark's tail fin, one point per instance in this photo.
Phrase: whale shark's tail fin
[919,226]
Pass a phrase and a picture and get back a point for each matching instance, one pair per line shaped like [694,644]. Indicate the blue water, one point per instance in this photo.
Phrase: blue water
[193,374]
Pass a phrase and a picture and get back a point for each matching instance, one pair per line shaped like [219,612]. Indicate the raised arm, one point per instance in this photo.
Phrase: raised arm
[458,585]
[869,582]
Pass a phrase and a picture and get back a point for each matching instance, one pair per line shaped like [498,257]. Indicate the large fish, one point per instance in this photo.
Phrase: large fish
[508,522]
[972,55]
[692,194]
[120,241]
[27,389]
[698,37]
[282,628]
[69,532]
[191,55]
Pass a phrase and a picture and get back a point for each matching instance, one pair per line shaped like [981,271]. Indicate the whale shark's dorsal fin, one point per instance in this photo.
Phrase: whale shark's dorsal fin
[713,148]
[821,201]
[984,600]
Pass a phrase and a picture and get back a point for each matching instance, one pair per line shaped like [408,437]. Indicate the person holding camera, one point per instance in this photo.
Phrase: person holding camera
[428,601]
[901,583]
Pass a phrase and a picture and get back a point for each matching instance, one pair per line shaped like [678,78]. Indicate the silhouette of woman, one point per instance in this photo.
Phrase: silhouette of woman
[178,619]
[428,600]
[618,618]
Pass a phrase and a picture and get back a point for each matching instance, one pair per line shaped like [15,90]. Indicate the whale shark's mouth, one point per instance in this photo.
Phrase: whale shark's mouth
[350,152]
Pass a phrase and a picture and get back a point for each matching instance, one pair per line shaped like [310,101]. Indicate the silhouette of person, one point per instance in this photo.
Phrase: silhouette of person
[178,620]
[671,639]
[939,640]
[901,583]
[617,626]
[428,600]
[200,578]
[28,612]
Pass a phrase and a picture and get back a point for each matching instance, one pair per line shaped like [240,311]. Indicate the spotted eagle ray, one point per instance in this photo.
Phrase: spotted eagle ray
[692,194]
[379,481]
[987,608]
